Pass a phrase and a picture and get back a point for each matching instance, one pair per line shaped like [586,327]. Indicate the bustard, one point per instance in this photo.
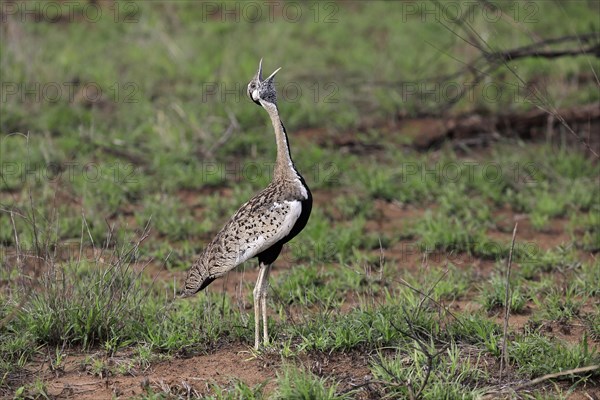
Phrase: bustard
[264,224]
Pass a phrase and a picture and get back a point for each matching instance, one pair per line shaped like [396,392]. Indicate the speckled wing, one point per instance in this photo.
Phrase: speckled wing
[255,227]
[270,226]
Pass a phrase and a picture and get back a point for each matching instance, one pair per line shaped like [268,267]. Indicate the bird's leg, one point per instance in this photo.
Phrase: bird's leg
[256,293]
[263,300]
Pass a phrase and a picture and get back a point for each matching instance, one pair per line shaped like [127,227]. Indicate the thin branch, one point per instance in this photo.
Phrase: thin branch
[561,374]
[16,234]
[233,126]
[503,58]
[504,359]
[531,50]
[515,54]
[34,226]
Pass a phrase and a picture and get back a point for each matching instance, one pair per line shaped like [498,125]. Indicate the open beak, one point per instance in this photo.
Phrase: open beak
[273,74]
[259,73]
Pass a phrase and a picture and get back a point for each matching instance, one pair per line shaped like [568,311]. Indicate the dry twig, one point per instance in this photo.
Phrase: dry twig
[533,382]
[504,359]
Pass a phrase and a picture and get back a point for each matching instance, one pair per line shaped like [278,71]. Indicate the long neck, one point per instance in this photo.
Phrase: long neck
[284,167]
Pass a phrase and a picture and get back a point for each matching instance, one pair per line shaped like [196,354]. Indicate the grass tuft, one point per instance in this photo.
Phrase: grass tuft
[300,384]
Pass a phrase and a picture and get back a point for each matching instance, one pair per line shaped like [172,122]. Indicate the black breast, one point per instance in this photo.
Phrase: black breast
[270,255]
[303,219]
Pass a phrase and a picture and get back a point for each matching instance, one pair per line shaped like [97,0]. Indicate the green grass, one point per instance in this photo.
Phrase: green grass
[593,322]
[477,330]
[560,304]
[561,259]
[433,373]
[104,302]
[298,384]
[587,279]
[536,355]
[585,229]
[493,295]
[441,231]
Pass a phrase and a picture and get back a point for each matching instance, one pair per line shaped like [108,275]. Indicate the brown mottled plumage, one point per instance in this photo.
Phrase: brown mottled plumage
[262,225]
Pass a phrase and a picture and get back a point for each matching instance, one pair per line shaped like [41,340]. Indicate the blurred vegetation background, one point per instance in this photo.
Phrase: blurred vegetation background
[171,71]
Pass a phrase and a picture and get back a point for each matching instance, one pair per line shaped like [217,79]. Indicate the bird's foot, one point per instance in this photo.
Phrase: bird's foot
[260,351]
[252,352]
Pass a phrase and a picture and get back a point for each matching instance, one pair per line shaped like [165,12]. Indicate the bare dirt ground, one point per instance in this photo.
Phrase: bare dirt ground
[229,362]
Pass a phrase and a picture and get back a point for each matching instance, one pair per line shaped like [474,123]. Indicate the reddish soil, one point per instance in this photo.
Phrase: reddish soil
[554,234]
[198,372]
[76,380]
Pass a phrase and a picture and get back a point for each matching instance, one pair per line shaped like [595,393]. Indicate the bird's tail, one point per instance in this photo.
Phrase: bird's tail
[197,279]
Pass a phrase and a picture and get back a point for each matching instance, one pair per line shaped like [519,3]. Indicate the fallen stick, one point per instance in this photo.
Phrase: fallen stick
[557,375]
[533,382]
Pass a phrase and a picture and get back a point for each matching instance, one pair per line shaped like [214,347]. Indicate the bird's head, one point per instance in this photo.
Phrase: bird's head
[262,91]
